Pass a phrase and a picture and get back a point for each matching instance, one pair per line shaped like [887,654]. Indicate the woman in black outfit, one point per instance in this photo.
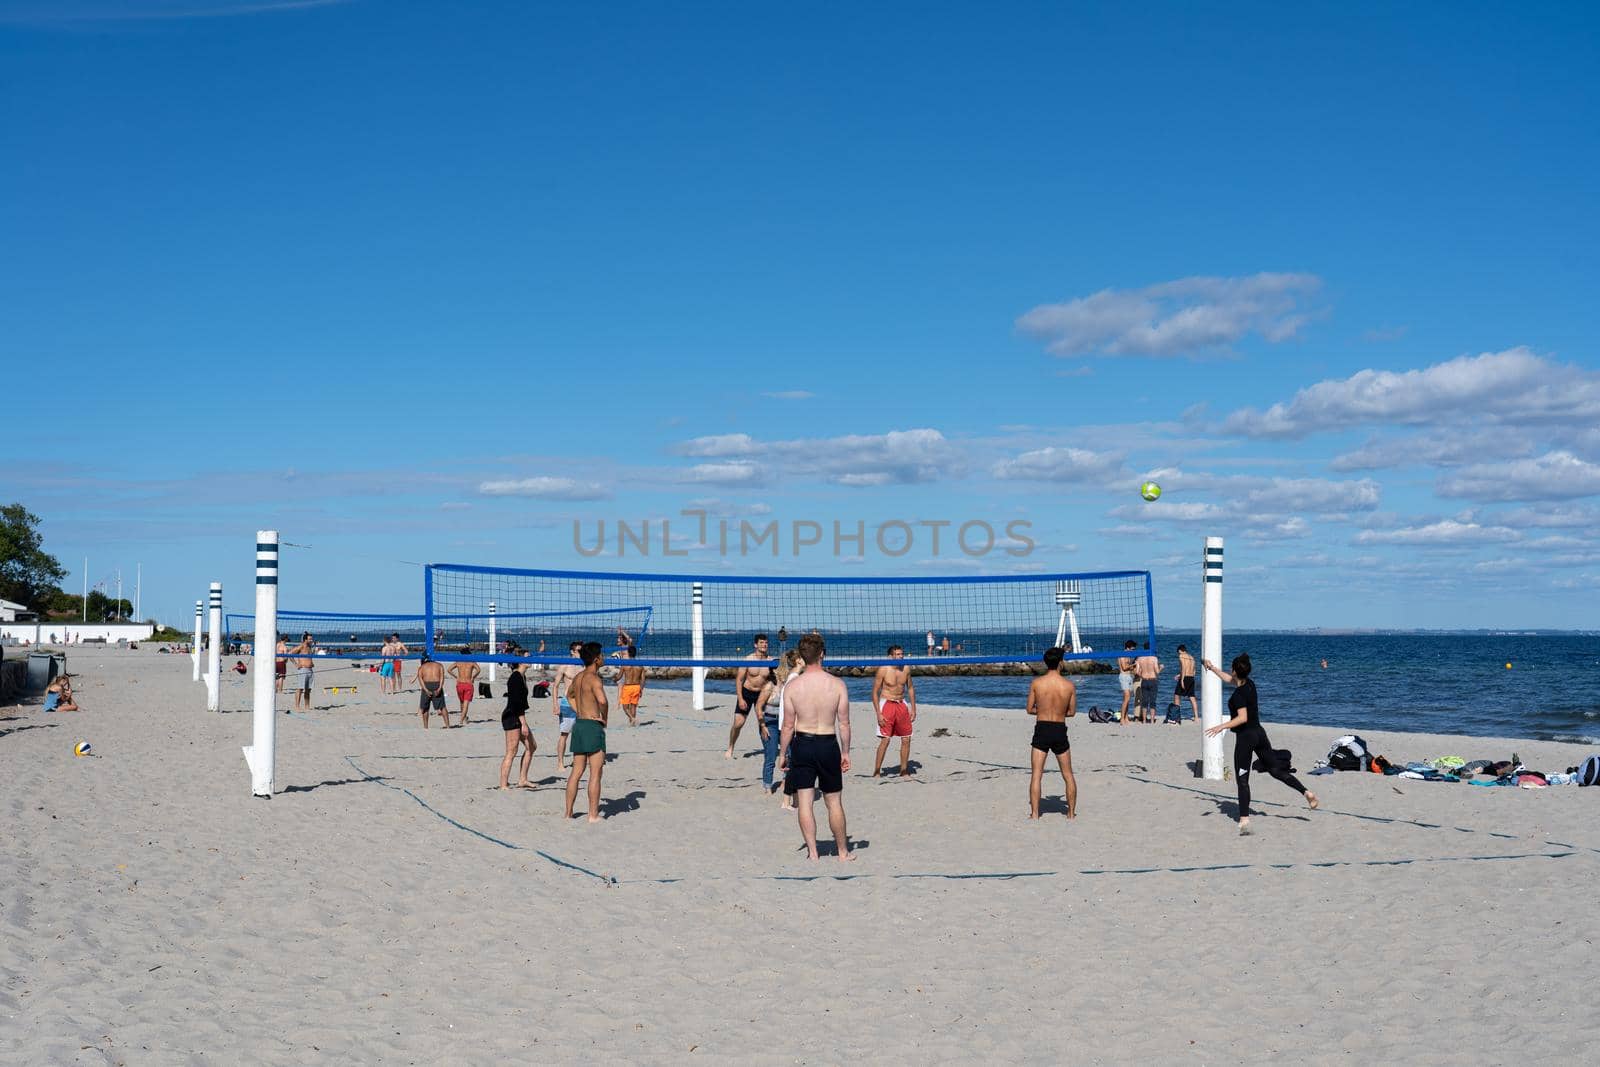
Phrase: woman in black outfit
[514,721]
[1249,739]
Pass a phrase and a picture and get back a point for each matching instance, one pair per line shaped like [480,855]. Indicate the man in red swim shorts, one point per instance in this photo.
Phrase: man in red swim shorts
[466,676]
[894,698]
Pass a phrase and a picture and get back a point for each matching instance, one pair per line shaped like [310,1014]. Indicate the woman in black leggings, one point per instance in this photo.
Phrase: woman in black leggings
[1249,739]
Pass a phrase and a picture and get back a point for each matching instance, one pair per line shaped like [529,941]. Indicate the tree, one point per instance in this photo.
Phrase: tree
[28,574]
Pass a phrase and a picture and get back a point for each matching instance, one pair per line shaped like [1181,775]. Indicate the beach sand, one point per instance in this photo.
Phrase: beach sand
[391,906]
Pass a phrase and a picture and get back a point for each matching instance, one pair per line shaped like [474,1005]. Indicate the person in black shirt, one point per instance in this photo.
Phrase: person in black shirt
[1249,739]
[514,721]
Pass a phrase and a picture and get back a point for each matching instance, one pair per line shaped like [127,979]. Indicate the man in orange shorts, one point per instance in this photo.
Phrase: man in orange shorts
[894,698]
[630,686]
[466,676]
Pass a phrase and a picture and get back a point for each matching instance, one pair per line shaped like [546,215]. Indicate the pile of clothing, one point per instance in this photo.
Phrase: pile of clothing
[1350,753]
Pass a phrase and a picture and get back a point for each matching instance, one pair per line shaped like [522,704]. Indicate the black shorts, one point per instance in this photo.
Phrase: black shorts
[1185,686]
[511,720]
[1051,737]
[814,763]
[431,698]
[1145,695]
[752,697]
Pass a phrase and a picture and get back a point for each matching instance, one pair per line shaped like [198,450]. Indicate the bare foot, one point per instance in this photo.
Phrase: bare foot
[847,857]
[1072,815]
[812,855]
[526,785]
[728,754]
[1311,798]
[1244,828]
[504,786]
[594,818]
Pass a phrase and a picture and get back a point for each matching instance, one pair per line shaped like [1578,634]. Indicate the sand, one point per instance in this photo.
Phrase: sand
[391,906]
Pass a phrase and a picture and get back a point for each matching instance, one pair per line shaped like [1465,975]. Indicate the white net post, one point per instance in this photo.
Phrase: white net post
[494,646]
[697,643]
[262,754]
[1211,649]
[199,610]
[214,653]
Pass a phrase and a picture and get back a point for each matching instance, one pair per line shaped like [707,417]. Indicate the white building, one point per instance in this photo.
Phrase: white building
[41,632]
[10,611]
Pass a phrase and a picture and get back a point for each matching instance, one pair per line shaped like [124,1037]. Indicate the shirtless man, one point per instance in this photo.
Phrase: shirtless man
[1146,669]
[430,680]
[748,684]
[894,701]
[397,649]
[466,676]
[386,666]
[588,696]
[814,749]
[305,670]
[630,686]
[1125,680]
[280,664]
[1052,700]
[1183,688]
[560,707]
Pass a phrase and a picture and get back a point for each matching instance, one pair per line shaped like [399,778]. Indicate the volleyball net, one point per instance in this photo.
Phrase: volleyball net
[476,634]
[713,620]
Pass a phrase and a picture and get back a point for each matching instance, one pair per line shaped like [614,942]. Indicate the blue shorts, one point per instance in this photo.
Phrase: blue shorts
[387,670]
[51,700]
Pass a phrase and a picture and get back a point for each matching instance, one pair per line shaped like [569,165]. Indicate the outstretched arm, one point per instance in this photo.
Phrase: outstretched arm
[844,728]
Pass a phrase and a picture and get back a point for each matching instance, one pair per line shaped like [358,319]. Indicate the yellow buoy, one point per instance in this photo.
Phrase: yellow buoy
[1508,666]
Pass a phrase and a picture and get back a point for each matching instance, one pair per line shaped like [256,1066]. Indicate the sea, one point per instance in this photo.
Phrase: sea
[1488,685]
[1543,686]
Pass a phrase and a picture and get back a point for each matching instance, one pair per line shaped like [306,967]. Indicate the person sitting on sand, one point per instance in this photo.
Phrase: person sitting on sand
[514,721]
[1249,739]
[1052,700]
[58,696]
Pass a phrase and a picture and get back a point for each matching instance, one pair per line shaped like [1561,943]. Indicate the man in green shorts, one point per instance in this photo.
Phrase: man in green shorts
[587,695]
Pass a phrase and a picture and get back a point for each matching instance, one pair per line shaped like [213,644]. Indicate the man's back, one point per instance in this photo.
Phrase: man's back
[814,702]
[1185,665]
[1053,697]
[431,672]
[1147,666]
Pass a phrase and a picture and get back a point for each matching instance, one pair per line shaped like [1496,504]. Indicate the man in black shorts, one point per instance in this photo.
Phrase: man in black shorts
[1052,700]
[747,686]
[430,681]
[815,746]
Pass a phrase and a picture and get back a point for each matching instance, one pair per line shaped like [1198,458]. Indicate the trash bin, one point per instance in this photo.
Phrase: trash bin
[43,667]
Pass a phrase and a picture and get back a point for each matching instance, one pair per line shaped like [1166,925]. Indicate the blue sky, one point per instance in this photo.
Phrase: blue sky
[430,282]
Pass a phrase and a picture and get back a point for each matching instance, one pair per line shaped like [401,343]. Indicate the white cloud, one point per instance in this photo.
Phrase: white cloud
[1512,387]
[1555,516]
[1552,476]
[1442,448]
[1313,495]
[1443,532]
[1175,318]
[1075,465]
[544,488]
[735,473]
[720,446]
[899,457]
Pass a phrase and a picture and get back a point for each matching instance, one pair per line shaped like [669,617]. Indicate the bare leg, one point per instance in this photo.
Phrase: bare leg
[905,756]
[561,752]
[841,839]
[1122,716]
[1065,760]
[632,711]
[512,737]
[528,747]
[572,782]
[1035,782]
[597,766]
[465,704]
[733,733]
[804,798]
[877,764]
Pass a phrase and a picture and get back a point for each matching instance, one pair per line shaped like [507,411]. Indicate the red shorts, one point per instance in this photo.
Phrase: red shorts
[463,691]
[895,719]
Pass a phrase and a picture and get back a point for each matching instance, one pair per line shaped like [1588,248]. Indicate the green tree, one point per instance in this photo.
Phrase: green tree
[28,574]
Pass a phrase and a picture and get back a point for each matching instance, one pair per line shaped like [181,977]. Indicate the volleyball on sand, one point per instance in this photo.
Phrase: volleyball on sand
[82,748]
[1150,491]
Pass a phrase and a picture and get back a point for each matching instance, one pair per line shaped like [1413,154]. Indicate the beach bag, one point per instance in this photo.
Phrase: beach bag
[1349,753]
[540,690]
[1096,715]
[1281,757]
[484,690]
[1589,771]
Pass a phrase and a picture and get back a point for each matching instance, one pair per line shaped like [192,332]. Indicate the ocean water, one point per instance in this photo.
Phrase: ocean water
[1412,683]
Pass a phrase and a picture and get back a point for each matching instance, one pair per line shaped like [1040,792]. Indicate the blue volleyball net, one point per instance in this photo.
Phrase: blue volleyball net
[971,619]
[465,634]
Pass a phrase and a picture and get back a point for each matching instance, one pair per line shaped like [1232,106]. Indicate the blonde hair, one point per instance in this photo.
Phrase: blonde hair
[786,665]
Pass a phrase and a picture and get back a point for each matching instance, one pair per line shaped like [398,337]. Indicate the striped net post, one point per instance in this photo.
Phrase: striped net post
[1211,649]
[261,756]
[214,653]
[494,645]
[697,642]
[199,613]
